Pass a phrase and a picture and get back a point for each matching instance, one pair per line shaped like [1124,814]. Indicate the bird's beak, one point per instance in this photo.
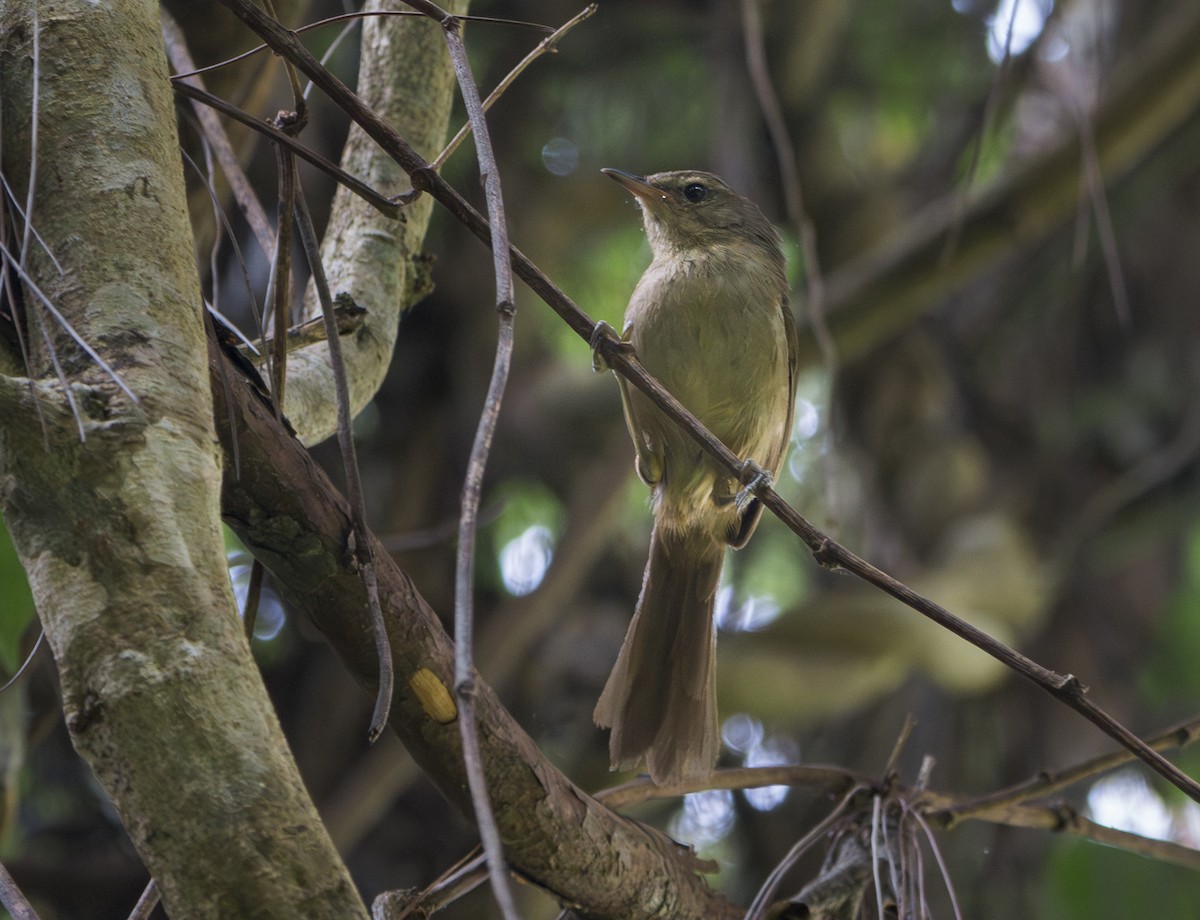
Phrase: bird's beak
[647,194]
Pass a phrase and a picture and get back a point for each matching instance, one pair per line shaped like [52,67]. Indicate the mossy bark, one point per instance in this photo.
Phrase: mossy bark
[118,529]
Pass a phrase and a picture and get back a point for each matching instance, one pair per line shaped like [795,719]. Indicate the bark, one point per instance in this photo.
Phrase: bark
[368,256]
[119,532]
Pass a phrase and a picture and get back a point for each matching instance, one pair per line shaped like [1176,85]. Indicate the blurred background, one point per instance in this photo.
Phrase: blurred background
[1004,249]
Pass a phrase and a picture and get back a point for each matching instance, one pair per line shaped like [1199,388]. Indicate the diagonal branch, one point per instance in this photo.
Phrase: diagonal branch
[284,508]
[1065,688]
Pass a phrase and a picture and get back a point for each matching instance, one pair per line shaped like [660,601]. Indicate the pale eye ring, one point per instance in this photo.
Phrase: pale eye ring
[695,192]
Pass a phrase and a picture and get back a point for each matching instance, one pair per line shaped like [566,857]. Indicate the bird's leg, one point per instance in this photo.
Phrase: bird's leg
[604,335]
[753,477]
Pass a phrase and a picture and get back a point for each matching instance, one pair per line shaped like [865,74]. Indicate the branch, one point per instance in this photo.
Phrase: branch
[287,512]
[464,568]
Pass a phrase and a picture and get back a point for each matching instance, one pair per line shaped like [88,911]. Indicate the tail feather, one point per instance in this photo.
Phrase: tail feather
[661,698]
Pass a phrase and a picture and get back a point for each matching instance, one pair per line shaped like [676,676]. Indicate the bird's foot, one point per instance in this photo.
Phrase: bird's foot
[605,337]
[753,477]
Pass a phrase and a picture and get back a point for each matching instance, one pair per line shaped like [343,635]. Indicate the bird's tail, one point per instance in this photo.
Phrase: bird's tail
[661,698]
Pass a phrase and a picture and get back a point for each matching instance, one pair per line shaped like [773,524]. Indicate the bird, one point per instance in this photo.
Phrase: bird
[709,319]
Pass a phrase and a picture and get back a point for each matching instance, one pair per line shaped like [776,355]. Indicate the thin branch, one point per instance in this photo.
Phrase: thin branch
[70,330]
[34,109]
[547,45]
[384,205]
[281,273]
[785,155]
[37,647]
[937,855]
[146,903]
[359,15]
[214,133]
[948,812]
[253,596]
[359,540]
[221,221]
[464,569]
[13,899]
[833,780]
[761,901]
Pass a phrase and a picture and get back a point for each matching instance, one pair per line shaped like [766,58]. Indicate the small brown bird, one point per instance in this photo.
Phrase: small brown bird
[709,319]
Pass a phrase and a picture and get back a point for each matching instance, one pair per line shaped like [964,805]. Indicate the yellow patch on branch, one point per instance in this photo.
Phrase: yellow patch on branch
[435,698]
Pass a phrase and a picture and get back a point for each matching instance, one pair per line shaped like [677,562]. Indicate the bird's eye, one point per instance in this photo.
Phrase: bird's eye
[695,192]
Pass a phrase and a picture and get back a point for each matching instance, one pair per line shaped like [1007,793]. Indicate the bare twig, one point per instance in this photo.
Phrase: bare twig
[27,230]
[146,903]
[37,646]
[253,595]
[15,265]
[547,45]
[359,540]
[785,155]
[13,899]
[280,296]
[834,780]
[359,15]
[464,569]
[937,855]
[949,812]
[369,195]
[222,222]
[990,106]
[214,133]
[761,901]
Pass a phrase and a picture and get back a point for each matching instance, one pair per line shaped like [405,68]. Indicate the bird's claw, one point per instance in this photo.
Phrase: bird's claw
[753,477]
[605,335]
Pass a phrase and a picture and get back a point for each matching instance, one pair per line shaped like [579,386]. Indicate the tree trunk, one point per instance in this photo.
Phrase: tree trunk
[115,511]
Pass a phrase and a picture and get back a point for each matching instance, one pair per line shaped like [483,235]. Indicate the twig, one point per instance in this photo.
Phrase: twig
[906,731]
[785,155]
[759,905]
[146,903]
[222,221]
[34,108]
[937,855]
[947,813]
[1065,688]
[876,857]
[253,595]
[280,297]
[214,133]
[814,301]
[990,107]
[384,205]
[546,46]
[359,15]
[464,568]
[834,780]
[27,230]
[13,899]
[70,330]
[37,647]
[359,540]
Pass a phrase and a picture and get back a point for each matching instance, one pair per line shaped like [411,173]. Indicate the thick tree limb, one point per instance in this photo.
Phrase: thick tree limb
[288,513]
[406,77]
